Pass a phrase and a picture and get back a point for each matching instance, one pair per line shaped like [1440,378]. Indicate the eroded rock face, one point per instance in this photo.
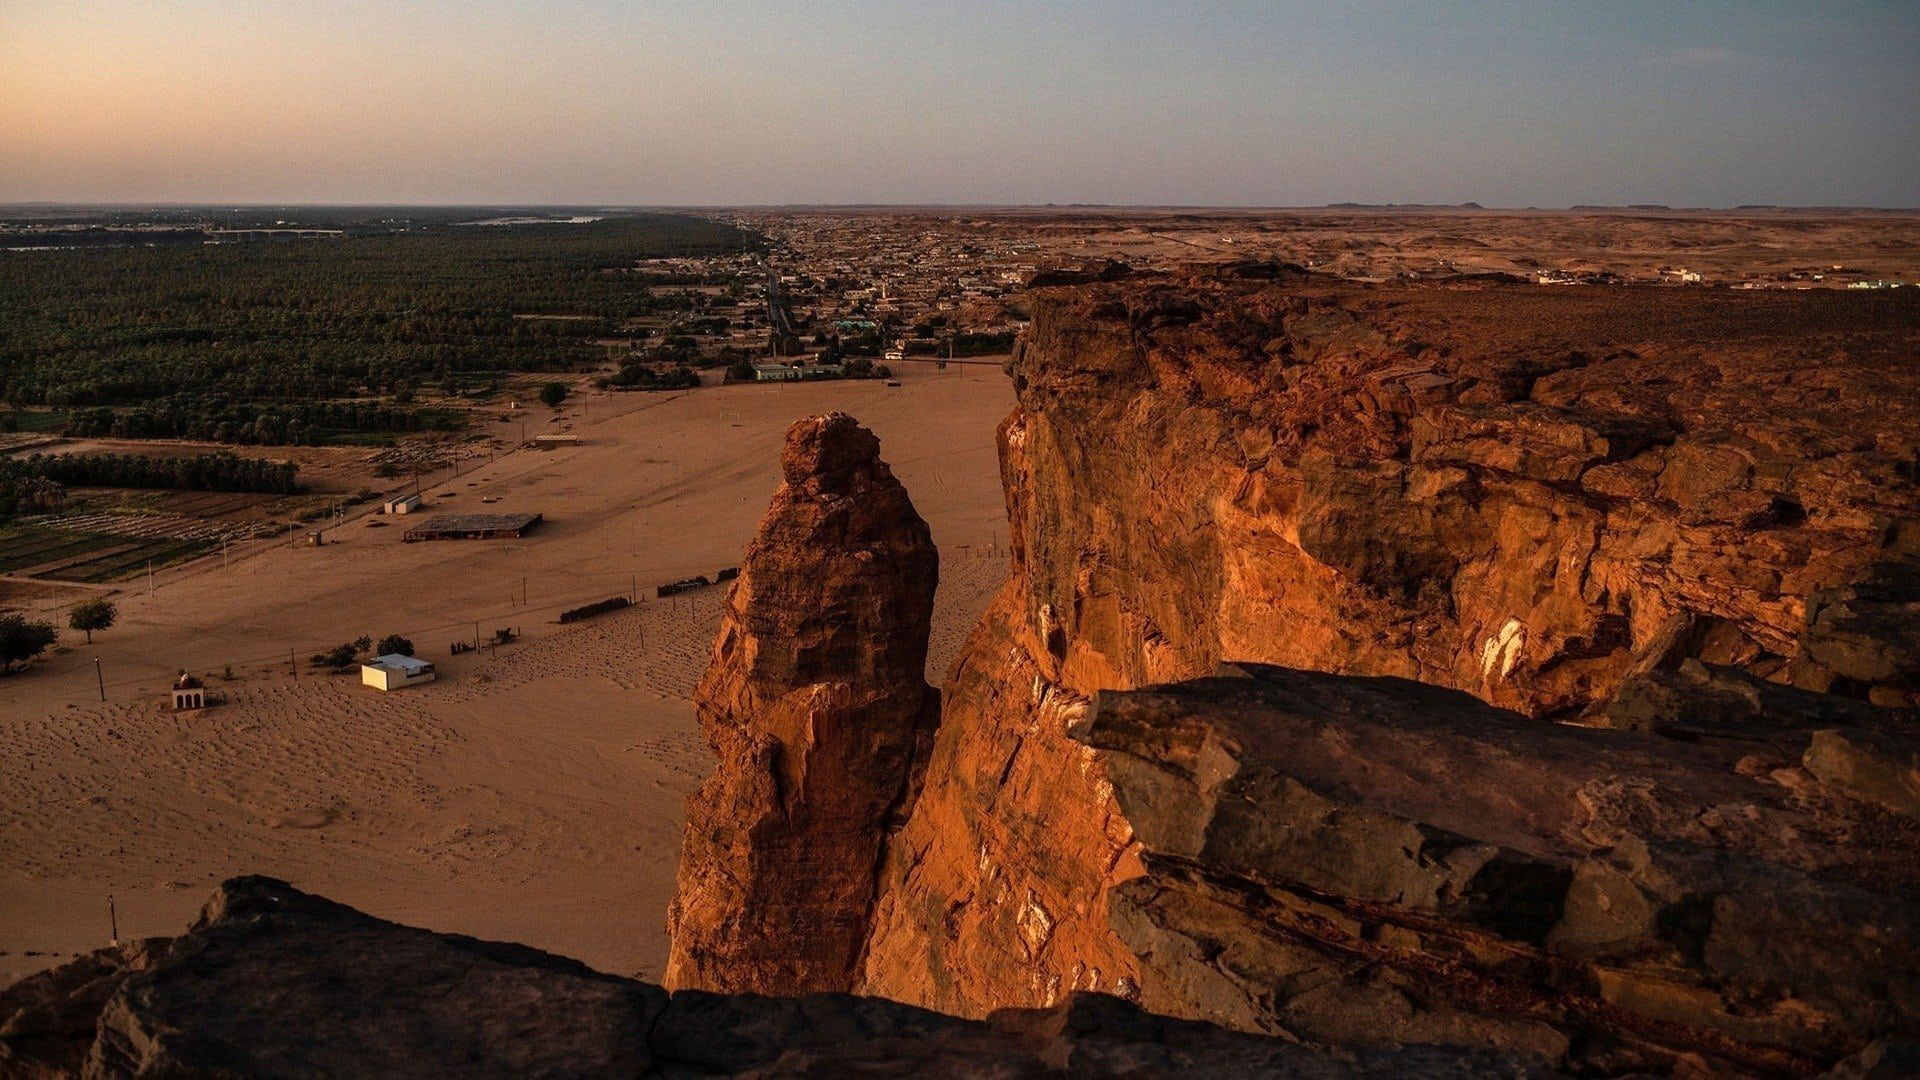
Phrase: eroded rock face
[1371,861]
[817,707]
[1530,495]
[272,982]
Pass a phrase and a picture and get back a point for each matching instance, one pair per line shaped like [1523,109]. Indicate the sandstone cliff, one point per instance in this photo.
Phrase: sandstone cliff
[272,982]
[1539,497]
[816,705]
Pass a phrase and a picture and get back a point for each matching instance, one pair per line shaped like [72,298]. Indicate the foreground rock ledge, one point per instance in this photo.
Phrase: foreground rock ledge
[273,982]
[817,706]
[1373,861]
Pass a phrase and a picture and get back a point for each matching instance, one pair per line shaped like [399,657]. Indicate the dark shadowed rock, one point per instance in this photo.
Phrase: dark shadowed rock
[272,982]
[48,1020]
[1371,861]
[1866,634]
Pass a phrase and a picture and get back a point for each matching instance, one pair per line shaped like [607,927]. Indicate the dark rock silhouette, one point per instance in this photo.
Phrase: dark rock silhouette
[272,982]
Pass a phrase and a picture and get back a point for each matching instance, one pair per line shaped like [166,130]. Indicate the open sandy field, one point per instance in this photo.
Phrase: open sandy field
[534,793]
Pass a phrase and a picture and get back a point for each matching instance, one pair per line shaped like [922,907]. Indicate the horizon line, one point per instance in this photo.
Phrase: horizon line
[1466,207]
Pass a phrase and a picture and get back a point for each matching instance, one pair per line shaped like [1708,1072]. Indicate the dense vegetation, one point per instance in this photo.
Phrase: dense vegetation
[643,377]
[22,639]
[22,492]
[261,340]
[216,417]
[202,472]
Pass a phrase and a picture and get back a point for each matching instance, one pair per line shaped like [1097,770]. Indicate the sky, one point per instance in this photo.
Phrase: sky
[1161,102]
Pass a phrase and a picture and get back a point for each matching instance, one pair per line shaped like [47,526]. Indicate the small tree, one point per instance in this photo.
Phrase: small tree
[393,645]
[91,615]
[338,658]
[22,640]
[553,393]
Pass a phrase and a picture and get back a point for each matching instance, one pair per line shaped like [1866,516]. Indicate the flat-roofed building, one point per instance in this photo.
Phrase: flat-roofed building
[472,527]
[393,671]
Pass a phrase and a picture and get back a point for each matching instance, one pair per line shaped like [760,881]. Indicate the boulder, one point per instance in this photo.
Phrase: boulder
[1378,862]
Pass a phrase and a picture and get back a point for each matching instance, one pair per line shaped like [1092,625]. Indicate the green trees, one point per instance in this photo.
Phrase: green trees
[392,645]
[22,492]
[642,377]
[91,615]
[343,655]
[22,639]
[185,416]
[203,472]
[242,341]
[553,393]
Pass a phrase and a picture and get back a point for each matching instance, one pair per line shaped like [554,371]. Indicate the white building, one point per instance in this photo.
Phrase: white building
[188,693]
[393,671]
[402,504]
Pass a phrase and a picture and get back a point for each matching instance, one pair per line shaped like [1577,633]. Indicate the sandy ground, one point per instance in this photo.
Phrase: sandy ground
[534,793]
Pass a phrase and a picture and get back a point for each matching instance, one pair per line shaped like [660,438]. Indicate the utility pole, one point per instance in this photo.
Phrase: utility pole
[113,922]
[100,677]
[292,664]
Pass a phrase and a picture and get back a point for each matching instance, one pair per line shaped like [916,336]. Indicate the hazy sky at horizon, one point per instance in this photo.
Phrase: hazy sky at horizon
[1509,103]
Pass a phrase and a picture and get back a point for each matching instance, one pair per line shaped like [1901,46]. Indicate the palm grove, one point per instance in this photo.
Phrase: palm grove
[278,342]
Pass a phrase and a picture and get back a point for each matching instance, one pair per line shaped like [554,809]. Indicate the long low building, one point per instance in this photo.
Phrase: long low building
[472,526]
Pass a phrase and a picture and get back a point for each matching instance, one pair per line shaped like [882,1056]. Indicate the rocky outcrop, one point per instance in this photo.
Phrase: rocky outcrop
[273,982]
[1541,497]
[1372,861]
[816,704]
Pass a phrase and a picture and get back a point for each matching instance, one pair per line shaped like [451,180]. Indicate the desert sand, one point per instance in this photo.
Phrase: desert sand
[535,792]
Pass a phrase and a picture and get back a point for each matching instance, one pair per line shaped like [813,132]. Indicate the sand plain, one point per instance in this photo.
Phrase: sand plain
[535,792]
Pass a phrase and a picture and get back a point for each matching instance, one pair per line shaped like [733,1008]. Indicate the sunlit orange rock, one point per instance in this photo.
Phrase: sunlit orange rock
[817,708]
[1528,494]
